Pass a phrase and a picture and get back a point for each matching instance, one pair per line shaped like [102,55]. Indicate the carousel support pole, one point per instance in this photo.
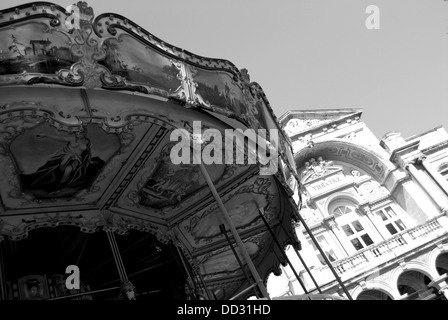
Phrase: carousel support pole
[307,269]
[338,279]
[127,287]
[238,240]
[204,285]
[224,231]
[261,214]
[186,270]
[304,264]
[193,277]
[3,292]
[316,243]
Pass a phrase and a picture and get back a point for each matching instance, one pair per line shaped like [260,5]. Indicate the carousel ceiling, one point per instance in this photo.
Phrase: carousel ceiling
[87,108]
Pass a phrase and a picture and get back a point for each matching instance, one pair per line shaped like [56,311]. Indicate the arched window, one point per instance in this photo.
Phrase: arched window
[353,226]
[341,210]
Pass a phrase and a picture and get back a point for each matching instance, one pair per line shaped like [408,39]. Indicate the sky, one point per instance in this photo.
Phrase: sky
[316,54]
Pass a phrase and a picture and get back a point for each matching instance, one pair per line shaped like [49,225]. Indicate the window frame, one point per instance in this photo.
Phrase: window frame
[394,218]
[370,235]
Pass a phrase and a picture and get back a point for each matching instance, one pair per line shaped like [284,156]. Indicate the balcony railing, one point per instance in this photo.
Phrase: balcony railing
[425,229]
[351,263]
[387,246]
[372,254]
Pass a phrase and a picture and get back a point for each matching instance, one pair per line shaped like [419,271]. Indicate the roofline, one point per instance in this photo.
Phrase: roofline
[291,112]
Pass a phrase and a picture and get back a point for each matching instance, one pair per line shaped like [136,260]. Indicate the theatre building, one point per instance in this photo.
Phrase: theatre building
[378,209]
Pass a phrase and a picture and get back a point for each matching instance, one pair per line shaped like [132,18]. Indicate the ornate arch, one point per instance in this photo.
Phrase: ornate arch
[373,285]
[340,196]
[408,266]
[349,152]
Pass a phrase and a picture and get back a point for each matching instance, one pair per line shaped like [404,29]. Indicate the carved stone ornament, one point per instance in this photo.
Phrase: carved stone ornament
[316,168]
[295,126]
[371,190]
[330,222]
[310,216]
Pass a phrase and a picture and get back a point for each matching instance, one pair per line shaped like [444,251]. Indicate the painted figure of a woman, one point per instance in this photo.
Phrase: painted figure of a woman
[71,167]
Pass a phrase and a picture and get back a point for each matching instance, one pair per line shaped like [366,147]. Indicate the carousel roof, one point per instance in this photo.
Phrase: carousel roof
[87,109]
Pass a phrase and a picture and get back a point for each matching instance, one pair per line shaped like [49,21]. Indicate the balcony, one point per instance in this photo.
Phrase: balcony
[381,252]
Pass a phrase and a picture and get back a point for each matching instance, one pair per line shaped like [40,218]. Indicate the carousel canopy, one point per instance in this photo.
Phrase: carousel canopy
[88,109]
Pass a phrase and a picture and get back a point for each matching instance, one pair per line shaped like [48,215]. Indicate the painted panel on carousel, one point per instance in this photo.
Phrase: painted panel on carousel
[263,109]
[225,261]
[136,62]
[243,207]
[220,263]
[34,47]
[170,183]
[243,211]
[55,164]
[218,91]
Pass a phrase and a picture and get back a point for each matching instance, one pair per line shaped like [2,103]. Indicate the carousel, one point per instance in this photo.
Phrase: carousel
[89,106]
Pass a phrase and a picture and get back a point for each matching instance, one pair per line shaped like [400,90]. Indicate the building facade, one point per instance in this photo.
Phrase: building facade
[378,209]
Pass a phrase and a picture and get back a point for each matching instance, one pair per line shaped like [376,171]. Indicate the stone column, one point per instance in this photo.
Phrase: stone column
[332,226]
[443,184]
[430,188]
[366,211]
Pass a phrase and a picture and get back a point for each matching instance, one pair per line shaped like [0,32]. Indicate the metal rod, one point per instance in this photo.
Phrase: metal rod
[100,265]
[304,264]
[83,293]
[117,256]
[186,271]
[307,269]
[203,284]
[224,232]
[82,250]
[338,279]
[148,292]
[281,250]
[3,293]
[194,279]
[252,286]
[233,229]
[189,272]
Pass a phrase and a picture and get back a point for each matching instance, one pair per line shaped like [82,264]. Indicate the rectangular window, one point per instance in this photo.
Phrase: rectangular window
[400,224]
[391,222]
[357,244]
[348,231]
[390,212]
[391,228]
[382,215]
[358,227]
[357,235]
[366,239]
